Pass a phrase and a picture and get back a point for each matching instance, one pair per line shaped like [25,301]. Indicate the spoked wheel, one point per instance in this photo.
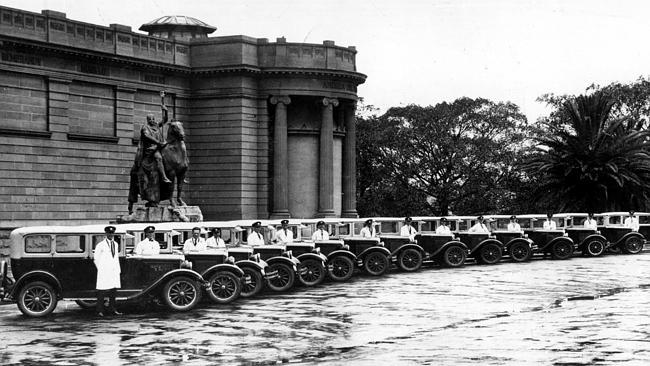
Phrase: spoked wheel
[341,268]
[594,248]
[37,299]
[315,273]
[376,264]
[632,245]
[562,250]
[224,287]
[255,286]
[454,256]
[409,260]
[181,294]
[520,252]
[284,280]
[489,254]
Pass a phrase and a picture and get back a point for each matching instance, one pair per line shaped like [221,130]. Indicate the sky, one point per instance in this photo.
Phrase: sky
[426,52]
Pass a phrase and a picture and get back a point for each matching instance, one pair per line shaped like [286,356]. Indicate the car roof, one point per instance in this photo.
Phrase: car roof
[61,229]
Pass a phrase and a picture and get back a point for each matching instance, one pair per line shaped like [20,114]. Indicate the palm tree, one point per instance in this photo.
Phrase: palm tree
[586,161]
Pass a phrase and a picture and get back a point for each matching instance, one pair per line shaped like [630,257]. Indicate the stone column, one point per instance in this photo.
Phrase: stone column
[326,159]
[280,159]
[349,208]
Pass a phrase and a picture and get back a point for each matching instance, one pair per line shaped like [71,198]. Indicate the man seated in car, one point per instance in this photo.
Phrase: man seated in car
[284,235]
[368,230]
[196,243]
[149,246]
[590,222]
[408,230]
[513,225]
[631,221]
[549,224]
[443,229]
[480,226]
[320,234]
[215,241]
[256,238]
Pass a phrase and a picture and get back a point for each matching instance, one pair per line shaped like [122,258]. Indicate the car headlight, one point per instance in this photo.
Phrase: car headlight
[316,250]
[289,254]
[230,260]
[255,257]
[565,234]
[346,247]
[526,236]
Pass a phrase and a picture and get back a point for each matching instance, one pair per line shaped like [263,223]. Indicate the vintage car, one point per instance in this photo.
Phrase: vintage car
[225,279]
[371,255]
[483,247]
[443,249]
[556,242]
[341,262]
[589,241]
[405,253]
[619,237]
[516,244]
[50,263]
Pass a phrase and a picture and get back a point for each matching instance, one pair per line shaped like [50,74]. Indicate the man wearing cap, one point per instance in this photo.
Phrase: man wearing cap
[284,235]
[407,229]
[443,229]
[368,230]
[631,221]
[215,241]
[513,225]
[480,226]
[149,246]
[196,243]
[549,224]
[255,238]
[107,261]
[590,222]
[320,234]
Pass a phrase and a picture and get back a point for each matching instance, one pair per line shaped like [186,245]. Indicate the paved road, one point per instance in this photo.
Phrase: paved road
[585,311]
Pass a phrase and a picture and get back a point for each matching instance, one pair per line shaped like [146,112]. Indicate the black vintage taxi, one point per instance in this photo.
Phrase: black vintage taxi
[51,263]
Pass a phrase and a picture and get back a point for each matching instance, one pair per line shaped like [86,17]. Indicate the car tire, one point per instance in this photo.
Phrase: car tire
[594,248]
[453,256]
[409,260]
[520,252]
[256,285]
[341,268]
[224,287]
[37,299]
[181,293]
[315,274]
[376,263]
[285,279]
[561,250]
[489,253]
[632,245]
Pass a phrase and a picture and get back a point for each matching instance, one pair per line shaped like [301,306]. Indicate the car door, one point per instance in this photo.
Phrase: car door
[73,265]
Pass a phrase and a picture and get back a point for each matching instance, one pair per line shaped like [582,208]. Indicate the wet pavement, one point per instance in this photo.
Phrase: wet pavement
[584,311]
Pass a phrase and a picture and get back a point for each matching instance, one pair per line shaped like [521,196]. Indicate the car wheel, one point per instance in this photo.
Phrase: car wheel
[255,286]
[594,248]
[285,278]
[632,245]
[561,250]
[224,287]
[489,254]
[37,299]
[181,294]
[376,264]
[454,256]
[520,252]
[341,268]
[315,273]
[409,260]
[87,304]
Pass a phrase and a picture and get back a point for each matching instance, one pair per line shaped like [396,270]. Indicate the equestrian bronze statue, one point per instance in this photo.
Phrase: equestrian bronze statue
[160,161]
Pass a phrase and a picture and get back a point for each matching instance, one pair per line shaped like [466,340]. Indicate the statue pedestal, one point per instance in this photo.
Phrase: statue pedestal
[141,213]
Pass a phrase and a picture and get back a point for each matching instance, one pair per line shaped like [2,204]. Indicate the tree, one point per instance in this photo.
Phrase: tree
[456,156]
[586,160]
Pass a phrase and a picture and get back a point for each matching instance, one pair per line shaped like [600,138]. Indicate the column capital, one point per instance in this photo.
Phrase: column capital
[330,102]
[284,99]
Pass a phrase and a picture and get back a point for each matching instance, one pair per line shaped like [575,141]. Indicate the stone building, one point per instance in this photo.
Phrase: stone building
[270,125]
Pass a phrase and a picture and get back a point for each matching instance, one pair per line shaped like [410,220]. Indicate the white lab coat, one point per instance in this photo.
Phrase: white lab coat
[443,230]
[215,242]
[108,265]
[368,232]
[479,227]
[632,222]
[550,225]
[320,235]
[283,237]
[590,224]
[194,245]
[514,226]
[255,239]
[147,247]
[408,230]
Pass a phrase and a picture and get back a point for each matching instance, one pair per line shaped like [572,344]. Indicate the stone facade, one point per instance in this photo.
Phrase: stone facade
[270,125]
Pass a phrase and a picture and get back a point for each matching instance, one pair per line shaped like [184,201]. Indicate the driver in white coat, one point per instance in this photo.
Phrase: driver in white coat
[320,234]
[408,230]
[632,222]
[107,261]
[368,230]
[590,222]
[149,246]
[255,238]
[284,235]
[480,226]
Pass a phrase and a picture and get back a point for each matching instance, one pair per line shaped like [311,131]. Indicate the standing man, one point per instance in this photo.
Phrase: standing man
[590,222]
[196,243]
[631,221]
[368,230]
[549,224]
[255,238]
[513,225]
[320,234]
[443,229]
[149,246]
[215,241]
[408,230]
[107,261]
[284,235]
[480,226]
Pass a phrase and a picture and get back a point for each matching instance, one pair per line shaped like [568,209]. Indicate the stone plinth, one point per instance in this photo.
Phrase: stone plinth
[141,213]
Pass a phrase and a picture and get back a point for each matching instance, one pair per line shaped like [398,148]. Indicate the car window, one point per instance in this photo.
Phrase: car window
[357,227]
[388,227]
[70,243]
[38,244]
[344,230]
[427,226]
[306,231]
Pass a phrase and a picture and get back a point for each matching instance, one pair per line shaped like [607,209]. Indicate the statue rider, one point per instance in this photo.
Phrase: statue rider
[152,141]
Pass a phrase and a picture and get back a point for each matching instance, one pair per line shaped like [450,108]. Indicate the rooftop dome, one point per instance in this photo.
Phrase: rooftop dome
[177,26]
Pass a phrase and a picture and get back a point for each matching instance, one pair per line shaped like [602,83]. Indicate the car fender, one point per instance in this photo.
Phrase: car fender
[223,267]
[166,277]
[518,240]
[257,266]
[555,240]
[448,244]
[374,249]
[629,235]
[485,242]
[344,253]
[407,246]
[318,257]
[291,262]
[36,275]
[593,237]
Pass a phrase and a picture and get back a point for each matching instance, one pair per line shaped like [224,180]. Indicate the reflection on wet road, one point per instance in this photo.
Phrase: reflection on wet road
[584,311]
